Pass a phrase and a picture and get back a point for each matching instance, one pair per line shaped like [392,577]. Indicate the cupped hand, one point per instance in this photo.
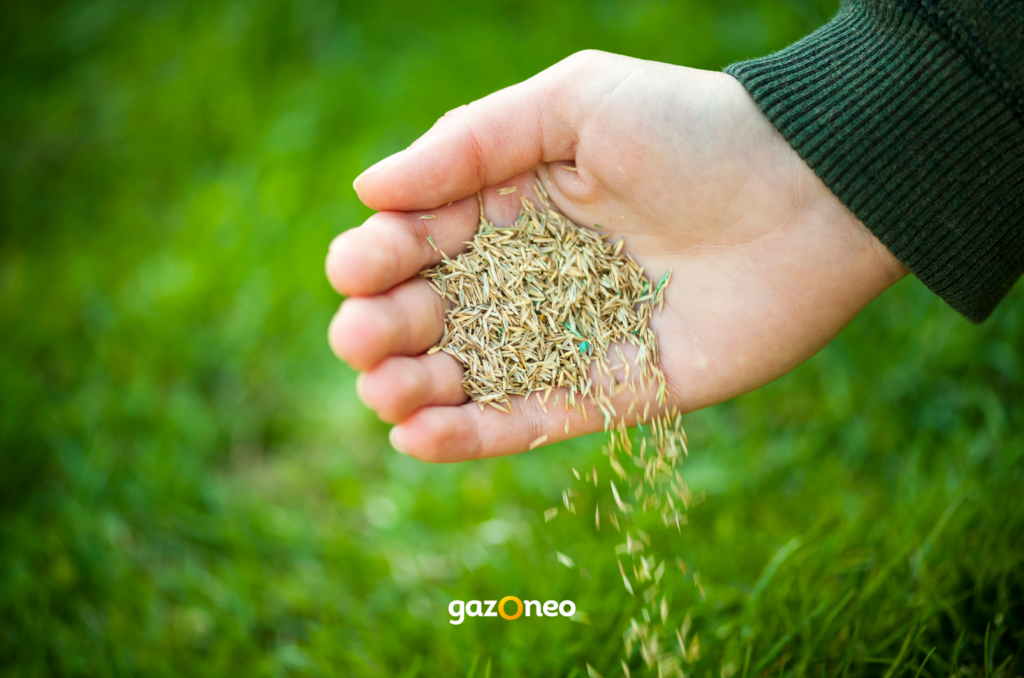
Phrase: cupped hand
[768,266]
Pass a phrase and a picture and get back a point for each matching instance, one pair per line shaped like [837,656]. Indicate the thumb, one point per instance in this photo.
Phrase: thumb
[492,139]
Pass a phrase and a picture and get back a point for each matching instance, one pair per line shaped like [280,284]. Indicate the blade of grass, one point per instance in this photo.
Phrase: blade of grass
[785,640]
[926,658]
[746,661]
[836,609]
[940,525]
[772,567]
[848,659]
[954,665]
[988,652]
[903,651]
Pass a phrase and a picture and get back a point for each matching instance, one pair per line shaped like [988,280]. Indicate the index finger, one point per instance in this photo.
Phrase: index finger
[392,247]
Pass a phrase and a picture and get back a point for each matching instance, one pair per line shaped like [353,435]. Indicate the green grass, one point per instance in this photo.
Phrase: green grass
[188,485]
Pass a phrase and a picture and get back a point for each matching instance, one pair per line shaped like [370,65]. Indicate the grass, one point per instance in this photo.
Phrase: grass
[188,485]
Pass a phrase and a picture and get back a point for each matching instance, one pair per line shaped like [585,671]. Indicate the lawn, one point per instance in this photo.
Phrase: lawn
[189,486]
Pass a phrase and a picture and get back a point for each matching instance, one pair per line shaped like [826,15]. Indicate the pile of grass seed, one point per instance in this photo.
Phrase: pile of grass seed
[535,306]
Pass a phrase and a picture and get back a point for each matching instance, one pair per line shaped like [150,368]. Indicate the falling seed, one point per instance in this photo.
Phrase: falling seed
[428,216]
[625,579]
[538,305]
[571,169]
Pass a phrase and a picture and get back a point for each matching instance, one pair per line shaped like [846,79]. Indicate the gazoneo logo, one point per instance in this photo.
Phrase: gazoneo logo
[509,608]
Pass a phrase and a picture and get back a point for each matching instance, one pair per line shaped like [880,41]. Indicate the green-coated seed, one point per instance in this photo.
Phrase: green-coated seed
[661,283]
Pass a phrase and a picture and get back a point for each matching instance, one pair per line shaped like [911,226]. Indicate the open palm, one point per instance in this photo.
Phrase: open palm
[768,266]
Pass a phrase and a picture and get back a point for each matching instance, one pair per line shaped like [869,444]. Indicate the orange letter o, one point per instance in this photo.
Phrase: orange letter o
[501,607]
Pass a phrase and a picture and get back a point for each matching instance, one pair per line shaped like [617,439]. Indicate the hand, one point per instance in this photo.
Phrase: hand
[768,266]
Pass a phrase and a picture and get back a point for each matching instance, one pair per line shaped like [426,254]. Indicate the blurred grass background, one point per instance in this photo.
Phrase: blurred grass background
[188,485]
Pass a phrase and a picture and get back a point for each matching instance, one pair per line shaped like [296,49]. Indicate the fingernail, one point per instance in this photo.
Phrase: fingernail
[391,439]
[379,165]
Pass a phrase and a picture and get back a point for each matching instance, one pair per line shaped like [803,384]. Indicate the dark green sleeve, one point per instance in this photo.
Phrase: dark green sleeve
[912,113]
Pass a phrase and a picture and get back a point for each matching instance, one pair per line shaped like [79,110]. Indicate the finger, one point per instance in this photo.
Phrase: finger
[399,386]
[394,246]
[494,138]
[407,320]
[451,434]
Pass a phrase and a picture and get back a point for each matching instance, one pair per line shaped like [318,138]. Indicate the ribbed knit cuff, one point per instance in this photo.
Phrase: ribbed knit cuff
[912,140]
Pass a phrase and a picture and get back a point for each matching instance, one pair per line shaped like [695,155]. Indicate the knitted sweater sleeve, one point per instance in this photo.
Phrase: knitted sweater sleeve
[912,113]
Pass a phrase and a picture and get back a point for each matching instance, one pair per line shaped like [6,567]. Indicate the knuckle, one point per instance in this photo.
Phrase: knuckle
[457,110]
[417,234]
[535,426]
[585,58]
[453,114]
